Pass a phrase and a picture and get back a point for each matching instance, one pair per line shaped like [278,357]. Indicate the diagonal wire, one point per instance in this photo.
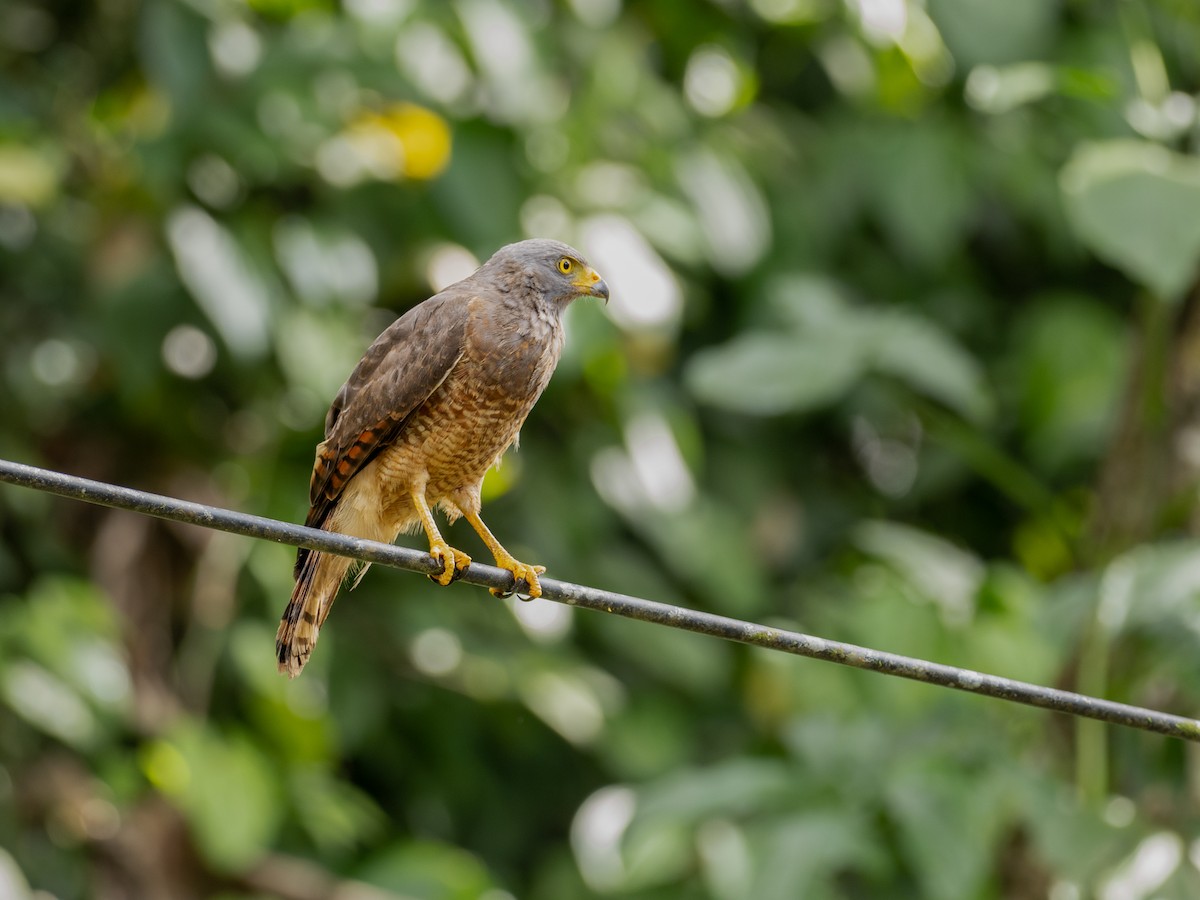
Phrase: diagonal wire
[605,601]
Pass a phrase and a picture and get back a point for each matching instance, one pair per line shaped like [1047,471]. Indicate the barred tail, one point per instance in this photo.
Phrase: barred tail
[318,577]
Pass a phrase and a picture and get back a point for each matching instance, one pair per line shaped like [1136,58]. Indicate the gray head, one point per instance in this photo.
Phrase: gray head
[551,269]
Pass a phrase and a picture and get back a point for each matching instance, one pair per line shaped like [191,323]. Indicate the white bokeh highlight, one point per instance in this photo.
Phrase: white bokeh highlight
[644,291]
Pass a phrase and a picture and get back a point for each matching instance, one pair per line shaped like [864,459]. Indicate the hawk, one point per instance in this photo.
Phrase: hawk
[434,402]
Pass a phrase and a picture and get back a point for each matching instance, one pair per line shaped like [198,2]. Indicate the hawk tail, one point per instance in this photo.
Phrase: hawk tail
[318,577]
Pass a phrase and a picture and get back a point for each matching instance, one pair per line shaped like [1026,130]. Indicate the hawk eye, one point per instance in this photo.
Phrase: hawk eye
[565,265]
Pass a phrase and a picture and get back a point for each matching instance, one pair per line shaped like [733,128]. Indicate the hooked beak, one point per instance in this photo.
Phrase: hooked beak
[591,284]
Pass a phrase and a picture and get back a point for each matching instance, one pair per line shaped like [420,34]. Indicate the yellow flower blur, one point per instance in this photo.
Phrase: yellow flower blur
[420,139]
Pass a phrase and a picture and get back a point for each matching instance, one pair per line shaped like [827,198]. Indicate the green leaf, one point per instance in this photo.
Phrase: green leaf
[1000,90]
[837,344]
[807,301]
[770,374]
[429,870]
[736,787]
[1153,585]
[940,808]
[802,853]
[60,667]
[47,703]
[1134,204]
[336,814]
[982,31]
[921,354]
[945,574]
[1067,391]
[1072,838]
[685,542]
[172,51]
[921,189]
[226,788]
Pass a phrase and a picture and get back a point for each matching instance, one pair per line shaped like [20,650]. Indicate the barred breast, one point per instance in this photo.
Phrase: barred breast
[476,413]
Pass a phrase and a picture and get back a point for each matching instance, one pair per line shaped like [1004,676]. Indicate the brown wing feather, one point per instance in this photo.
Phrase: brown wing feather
[396,375]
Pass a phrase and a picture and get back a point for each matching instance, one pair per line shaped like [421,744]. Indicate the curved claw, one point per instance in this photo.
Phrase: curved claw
[525,579]
[454,563]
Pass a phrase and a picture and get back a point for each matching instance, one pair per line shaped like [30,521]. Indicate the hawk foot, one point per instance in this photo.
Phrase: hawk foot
[454,563]
[525,579]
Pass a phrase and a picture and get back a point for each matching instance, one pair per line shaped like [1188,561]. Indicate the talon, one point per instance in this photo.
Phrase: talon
[525,579]
[454,563]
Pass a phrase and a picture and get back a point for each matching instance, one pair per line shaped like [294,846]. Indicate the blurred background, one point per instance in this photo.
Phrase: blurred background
[903,350]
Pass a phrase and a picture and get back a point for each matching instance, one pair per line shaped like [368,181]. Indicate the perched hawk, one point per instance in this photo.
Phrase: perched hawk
[435,401]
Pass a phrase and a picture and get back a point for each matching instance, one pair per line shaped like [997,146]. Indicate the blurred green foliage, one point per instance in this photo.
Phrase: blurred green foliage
[902,351]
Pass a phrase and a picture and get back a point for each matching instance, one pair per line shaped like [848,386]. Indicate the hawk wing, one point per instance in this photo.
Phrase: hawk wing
[398,373]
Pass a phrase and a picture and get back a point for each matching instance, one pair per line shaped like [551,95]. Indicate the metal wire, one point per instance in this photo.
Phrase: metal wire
[606,601]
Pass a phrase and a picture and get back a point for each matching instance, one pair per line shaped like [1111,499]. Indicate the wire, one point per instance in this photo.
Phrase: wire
[605,601]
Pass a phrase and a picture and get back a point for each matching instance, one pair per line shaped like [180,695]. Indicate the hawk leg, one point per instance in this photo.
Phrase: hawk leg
[521,571]
[454,562]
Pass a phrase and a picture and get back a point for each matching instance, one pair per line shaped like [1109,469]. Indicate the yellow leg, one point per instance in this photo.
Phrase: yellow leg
[453,561]
[521,571]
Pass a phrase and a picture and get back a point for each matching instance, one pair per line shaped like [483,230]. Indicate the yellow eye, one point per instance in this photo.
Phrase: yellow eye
[565,266]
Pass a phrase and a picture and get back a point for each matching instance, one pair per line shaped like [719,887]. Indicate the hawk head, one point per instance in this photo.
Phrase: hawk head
[556,270]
